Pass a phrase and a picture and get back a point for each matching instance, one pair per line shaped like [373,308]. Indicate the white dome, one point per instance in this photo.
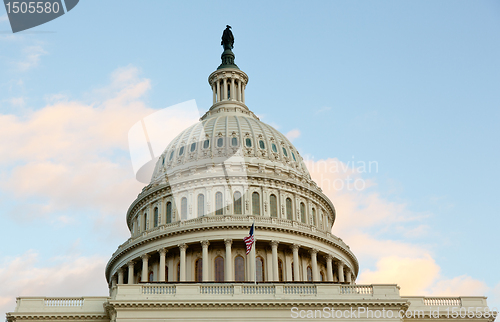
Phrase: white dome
[230,132]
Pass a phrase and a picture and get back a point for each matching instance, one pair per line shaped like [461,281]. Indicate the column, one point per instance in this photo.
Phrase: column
[224,89]
[228,270]
[340,267]
[218,91]
[113,281]
[348,276]
[120,276]
[182,249]
[145,268]
[204,259]
[329,268]
[314,264]
[213,93]
[274,250]
[243,94]
[295,250]
[239,90]
[233,90]
[130,272]
[163,253]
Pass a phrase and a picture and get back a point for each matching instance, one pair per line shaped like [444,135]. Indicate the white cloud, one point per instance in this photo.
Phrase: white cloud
[31,57]
[293,134]
[72,276]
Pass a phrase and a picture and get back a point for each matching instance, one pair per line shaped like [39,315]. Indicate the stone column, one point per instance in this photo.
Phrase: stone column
[218,91]
[340,267]
[314,264]
[233,90]
[145,268]
[120,276]
[239,90]
[182,275]
[213,93]
[348,276]
[130,272]
[228,271]
[295,250]
[204,259]
[329,268]
[163,253]
[274,249]
[224,89]
[113,281]
[243,94]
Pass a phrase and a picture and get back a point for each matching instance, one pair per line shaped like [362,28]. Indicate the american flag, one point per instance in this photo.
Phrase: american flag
[250,239]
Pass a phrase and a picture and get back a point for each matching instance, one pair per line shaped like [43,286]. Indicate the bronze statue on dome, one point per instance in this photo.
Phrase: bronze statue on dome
[227,38]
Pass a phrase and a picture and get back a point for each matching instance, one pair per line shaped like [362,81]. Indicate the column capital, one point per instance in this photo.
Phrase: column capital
[119,270]
[340,263]
[162,251]
[130,263]
[228,241]
[205,243]
[313,251]
[145,257]
[182,246]
[274,243]
[295,247]
[329,257]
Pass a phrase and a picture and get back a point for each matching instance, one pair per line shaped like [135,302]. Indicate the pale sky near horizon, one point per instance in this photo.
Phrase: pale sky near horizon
[413,86]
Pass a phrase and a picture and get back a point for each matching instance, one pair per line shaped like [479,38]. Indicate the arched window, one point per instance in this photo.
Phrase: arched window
[259,268]
[146,224]
[255,204]
[206,144]
[302,212]
[178,271]
[201,205]
[280,270]
[156,217]
[219,209]
[181,151]
[237,203]
[234,141]
[219,269]
[309,274]
[293,275]
[220,142]
[239,269]
[273,203]
[289,212]
[248,142]
[193,146]
[198,268]
[169,212]
[184,208]
[313,217]
[151,277]
[262,145]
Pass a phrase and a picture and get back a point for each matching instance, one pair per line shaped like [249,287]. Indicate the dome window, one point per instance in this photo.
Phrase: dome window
[193,147]
[181,151]
[220,142]
[275,149]
[163,161]
[234,141]
[206,144]
[171,156]
[237,203]
[219,209]
[293,156]
[184,207]
[248,142]
[262,145]
[284,152]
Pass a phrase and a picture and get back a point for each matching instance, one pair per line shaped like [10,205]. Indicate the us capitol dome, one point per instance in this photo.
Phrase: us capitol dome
[186,258]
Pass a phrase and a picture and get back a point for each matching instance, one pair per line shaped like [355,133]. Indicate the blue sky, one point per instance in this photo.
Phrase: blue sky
[412,85]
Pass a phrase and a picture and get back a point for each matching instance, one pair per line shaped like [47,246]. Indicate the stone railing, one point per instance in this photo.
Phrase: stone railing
[356,289]
[217,289]
[67,301]
[442,301]
[258,289]
[299,289]
[158,289]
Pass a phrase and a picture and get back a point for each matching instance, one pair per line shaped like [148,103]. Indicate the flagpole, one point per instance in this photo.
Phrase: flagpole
[255,252]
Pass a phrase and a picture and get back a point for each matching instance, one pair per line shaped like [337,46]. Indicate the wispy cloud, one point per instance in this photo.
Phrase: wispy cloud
[31,57]
[293,134]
